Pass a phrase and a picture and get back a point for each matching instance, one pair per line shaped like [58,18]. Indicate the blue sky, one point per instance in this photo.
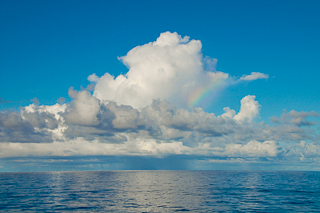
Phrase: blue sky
[49,46]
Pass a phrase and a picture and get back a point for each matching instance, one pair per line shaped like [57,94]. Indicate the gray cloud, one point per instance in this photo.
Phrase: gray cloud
[87,118]
[61,100]
[296,118]
[83,108]
[13,128]
[35,101]
[4,101]
[147,112]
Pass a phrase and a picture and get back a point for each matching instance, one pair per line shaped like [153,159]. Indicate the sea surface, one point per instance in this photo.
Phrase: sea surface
[160,191]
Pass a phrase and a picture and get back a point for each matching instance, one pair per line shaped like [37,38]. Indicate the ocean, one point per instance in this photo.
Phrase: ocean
[160,191]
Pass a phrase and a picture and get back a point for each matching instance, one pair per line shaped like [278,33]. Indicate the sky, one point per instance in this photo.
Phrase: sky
[184,85]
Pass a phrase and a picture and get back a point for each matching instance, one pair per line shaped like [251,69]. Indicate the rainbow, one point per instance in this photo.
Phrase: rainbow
[204,95]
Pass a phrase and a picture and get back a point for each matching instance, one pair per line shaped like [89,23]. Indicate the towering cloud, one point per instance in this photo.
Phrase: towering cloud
[171,68]
[152,110]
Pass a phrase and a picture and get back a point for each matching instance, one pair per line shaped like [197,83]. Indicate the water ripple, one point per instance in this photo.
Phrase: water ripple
[160,191]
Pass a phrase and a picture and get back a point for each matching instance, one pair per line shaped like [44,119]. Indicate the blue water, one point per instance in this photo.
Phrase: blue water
[160,191]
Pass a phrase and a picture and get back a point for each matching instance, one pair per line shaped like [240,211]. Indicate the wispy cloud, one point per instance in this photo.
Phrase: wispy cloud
[254,76]
[2,101]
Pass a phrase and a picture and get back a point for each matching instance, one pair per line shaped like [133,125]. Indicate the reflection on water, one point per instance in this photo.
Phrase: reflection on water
[160,191]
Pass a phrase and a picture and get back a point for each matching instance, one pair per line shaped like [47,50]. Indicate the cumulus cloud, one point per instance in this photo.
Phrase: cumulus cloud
[14,128]
[33,124]
[138,146]
[250,108]
[84,108]
[160,123]
[254,76]
[303,152]
[125,116]
[145,112]
[295,118]
[171,68]
[81,146]
[253,148]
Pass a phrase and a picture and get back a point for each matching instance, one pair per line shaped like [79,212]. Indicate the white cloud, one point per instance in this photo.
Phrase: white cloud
[170,68]
[250,108]
[80,146]
[136,146]
[304,150]
[299,118]
[144,112]
[56,110]
[125,116]
[253,148]
[84,108]
[254,76]
[228,113]
[161,120]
